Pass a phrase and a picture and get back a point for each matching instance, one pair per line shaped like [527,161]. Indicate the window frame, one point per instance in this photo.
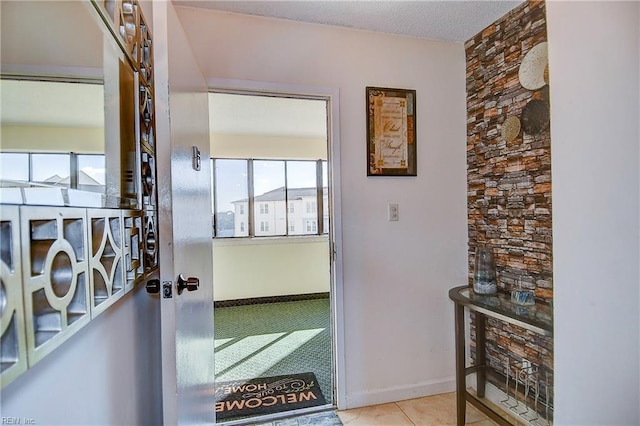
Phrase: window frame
[252,216]
[74,169]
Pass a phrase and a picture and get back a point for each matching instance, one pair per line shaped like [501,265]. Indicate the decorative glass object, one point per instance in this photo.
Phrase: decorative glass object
[484,277]
[523,297]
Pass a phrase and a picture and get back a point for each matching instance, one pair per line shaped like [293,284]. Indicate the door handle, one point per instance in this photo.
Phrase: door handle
[190,284]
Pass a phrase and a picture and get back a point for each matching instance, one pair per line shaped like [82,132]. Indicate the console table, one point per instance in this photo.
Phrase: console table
[536,318]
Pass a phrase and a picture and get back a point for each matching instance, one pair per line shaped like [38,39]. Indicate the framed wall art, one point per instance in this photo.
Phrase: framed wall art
[391,132]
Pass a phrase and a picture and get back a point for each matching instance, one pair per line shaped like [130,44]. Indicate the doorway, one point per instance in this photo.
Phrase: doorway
[274,350]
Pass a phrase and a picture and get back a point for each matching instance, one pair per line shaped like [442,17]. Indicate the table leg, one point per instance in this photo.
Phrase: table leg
[481,359]
[461,387]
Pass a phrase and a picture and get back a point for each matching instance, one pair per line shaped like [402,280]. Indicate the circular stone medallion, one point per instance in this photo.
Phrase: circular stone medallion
[510,128]
[531,71]
[535,117]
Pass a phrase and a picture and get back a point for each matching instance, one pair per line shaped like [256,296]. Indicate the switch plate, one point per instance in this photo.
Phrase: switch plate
[393,212]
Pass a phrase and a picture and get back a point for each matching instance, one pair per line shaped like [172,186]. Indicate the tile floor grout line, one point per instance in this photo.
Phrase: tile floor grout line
[405,414]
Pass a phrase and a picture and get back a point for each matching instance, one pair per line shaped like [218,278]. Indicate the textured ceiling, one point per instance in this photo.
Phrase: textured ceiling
[455,21]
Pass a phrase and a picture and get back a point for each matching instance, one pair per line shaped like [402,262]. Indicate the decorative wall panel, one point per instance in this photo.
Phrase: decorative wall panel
[13,346]
[55,270]
[133,248]
[63,266]
[106,258]
[509,175]
[150,239]
[148,165]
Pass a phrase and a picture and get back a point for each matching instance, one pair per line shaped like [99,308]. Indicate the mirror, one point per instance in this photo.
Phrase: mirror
[77,127]
[68,108]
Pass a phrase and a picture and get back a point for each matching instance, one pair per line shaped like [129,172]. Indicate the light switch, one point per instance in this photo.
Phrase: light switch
[393,212]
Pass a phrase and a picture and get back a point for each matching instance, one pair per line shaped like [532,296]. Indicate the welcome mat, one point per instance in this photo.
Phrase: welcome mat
[266,395]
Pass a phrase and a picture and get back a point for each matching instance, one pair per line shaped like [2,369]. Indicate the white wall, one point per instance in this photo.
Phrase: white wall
[263,268]
[594,71]
[398,322]
[107,373]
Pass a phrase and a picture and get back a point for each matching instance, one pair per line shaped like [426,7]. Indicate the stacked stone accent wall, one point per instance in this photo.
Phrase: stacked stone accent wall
[509,183]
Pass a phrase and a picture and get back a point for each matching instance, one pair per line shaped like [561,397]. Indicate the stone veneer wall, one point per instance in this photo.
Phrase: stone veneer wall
[509,184]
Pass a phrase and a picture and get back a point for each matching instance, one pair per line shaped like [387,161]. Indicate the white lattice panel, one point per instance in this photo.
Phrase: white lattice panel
[150,241]
[13,347]
[106,262]
[55,270]
[133,248]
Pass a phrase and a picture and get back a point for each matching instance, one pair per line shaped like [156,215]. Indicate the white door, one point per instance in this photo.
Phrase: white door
[185,234]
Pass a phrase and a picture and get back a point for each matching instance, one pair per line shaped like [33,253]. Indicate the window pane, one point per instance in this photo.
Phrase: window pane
[232,196]
[14,167]
[91,173]
[302,194]
[325,198]
[269,198]
[52,169]
[325,175]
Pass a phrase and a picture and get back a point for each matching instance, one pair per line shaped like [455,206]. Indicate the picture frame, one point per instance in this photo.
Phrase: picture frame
[391,132]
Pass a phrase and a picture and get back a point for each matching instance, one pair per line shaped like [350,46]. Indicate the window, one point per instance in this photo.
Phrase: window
[91,172]
[311,225]
[76,171]
[231,197]
[14,166]
[311,206]
[269,181]
[267,191]
[52,169]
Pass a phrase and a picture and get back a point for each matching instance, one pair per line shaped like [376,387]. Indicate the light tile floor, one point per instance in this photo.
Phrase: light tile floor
[433,410]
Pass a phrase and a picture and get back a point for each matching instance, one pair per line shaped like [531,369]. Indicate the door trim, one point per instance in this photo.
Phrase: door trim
[332,96]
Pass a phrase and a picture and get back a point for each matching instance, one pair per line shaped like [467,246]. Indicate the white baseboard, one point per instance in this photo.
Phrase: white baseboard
[400,393]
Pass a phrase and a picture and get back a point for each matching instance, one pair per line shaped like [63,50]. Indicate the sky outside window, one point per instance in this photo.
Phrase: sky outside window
[50,168]
[14,166]
[93,166]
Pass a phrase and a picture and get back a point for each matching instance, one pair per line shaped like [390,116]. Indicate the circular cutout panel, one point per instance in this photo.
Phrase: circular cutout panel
[531,72]
[61,274]
[510,128]
[3,298]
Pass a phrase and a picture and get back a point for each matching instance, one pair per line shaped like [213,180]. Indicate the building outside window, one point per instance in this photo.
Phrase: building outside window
[311,225]
[311,206]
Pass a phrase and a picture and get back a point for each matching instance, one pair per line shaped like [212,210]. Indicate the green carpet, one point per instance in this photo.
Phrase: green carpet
[274,339]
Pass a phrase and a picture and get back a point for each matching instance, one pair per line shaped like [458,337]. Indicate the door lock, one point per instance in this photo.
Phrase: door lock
[153,286]
[191,284]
